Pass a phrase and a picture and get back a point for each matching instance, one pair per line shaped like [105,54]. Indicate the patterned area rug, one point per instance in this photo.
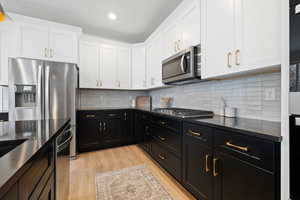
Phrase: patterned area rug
[134,183]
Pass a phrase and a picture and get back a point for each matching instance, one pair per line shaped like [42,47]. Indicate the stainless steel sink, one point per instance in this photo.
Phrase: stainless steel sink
[7,146]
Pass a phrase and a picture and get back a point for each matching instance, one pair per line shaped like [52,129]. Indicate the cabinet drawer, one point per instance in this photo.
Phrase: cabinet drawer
[172,124]
[143,116]
[170,139]
[256,151]
[202,133]
[42,164]
[169,161]
[112,114]
[88,114]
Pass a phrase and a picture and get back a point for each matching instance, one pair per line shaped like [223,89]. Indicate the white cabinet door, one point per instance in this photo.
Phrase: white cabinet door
[258,34]
[139,67]
[108,59]
[218,41]
[89,65]
[190,26]
[172,38]
[63,46]
[34,42]
[156,57]
[124,68]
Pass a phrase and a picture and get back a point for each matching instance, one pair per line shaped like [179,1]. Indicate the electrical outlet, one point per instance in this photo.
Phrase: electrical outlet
[270,94]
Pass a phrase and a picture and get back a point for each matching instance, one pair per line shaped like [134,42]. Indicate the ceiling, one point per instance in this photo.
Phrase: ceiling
[137,19]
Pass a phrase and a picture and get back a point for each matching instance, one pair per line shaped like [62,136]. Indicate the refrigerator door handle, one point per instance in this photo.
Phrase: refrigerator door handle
[47,92]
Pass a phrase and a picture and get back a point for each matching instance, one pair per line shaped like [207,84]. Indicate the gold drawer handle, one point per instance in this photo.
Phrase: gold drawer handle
[237,55]
[215,173]
[237,147]
[206,163]
[194,133]
[90,116]
[161,138]
[163,123]
[162,157]
[228,60]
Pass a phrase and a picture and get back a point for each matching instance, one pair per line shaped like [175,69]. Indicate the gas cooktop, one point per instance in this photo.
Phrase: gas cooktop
[184,113]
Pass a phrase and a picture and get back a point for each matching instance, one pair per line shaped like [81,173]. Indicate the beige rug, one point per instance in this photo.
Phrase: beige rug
[134,183]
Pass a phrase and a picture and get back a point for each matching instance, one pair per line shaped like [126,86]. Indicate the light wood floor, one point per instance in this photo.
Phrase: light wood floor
[85,167]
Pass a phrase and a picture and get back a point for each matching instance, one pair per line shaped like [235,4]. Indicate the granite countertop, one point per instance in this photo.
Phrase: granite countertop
[253,127]
[35,135]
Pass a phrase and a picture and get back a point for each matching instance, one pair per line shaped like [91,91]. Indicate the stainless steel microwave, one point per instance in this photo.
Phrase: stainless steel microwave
[182,68]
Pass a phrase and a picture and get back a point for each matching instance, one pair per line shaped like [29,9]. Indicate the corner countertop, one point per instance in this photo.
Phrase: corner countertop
[36,134]
[253,127]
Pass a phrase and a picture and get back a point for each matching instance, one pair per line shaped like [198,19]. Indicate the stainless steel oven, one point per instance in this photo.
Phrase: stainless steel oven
[182,68]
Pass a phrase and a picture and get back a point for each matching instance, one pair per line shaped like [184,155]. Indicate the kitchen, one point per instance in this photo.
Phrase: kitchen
[189,100]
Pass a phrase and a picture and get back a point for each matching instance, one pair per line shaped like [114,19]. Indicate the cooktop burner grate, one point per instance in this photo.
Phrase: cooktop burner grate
[184,113]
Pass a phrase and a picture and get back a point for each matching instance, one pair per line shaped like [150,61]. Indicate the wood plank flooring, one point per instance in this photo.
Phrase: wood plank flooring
[85,167]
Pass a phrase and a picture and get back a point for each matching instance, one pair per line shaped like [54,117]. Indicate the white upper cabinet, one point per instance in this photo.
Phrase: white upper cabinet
[124,68]
[8,34]
[89,65]
[258,34]
[154,62]
[63,46]
[183,31]
[172,38]
[108,67]
[139,67]
[240,36]
[218,44]
[190,26]
[34,41]
[45,40]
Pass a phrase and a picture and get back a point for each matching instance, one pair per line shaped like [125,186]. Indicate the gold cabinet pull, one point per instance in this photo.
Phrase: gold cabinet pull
[237,55]
[163,123]
[90,116]
[46,52]
[100,126]
[161,138]
[104,126]
[215,173]
[206,163]
[161,157]
[194,133]
[228,60]
[237,146]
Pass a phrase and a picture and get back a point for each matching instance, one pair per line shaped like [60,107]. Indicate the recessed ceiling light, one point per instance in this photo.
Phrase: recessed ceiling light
[112,16]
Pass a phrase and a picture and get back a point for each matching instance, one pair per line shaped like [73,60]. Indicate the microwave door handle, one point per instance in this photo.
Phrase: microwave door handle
[181,63]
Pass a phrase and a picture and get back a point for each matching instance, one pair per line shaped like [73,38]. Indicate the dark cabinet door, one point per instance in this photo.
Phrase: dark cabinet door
[235,180]
[12,194]
[88,134]
[127,128]
[111,133]
[197,168]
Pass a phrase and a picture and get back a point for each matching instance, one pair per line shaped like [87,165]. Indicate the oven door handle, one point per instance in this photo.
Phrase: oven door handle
[181,63]
[67,141]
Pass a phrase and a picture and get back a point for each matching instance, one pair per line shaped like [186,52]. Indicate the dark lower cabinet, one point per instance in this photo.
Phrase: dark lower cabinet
[88,132]
[197,168]
[111,133]
[235,180]
[12,194]
[103,129]
[48,192]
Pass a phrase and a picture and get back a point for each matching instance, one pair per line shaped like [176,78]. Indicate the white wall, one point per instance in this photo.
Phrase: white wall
[285,167]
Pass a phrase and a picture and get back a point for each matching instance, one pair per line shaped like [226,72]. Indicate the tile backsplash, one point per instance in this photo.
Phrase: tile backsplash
[108,98]
[247,94]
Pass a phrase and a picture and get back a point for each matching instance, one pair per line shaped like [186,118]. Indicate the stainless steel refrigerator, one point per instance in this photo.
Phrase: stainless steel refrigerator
[44,90]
